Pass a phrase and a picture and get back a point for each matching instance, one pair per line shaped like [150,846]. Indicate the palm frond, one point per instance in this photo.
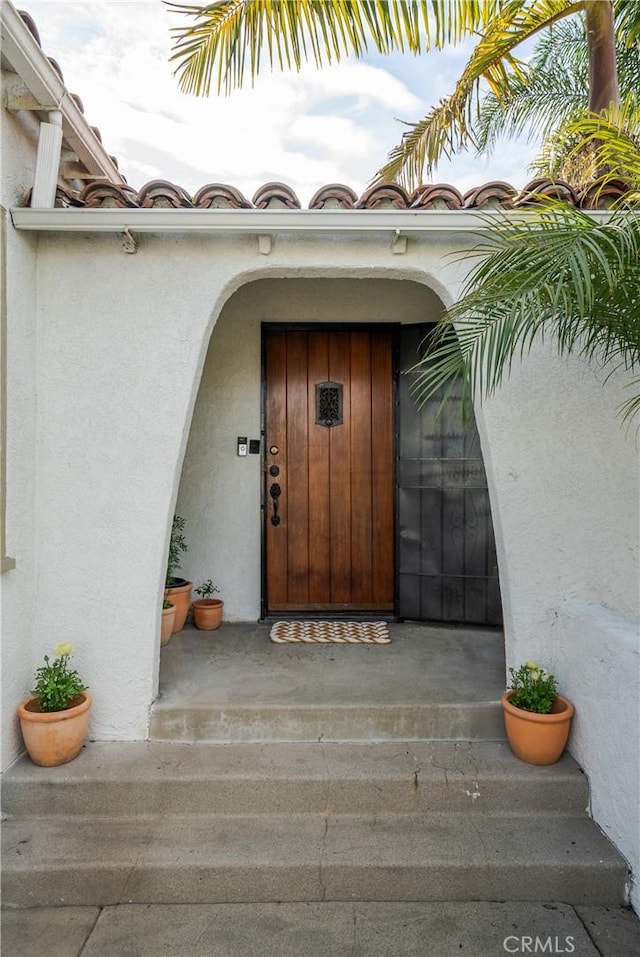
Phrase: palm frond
[557,275]
[552,87]
[228,39]
[601,148]
[448,127]
[628,21]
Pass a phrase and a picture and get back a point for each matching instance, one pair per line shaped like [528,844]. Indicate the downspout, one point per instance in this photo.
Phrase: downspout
[47,162]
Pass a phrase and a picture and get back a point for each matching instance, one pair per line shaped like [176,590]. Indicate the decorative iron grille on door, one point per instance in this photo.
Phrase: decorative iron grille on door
[447,565]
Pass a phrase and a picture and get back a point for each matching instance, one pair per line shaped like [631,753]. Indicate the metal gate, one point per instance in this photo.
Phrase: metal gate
[447,565]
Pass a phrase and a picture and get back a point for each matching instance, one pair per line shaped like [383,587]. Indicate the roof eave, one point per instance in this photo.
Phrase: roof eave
[22,53]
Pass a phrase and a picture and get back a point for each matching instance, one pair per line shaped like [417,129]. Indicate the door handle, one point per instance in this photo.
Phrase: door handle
[275,492]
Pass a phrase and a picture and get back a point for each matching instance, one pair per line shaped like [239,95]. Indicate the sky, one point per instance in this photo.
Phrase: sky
[307,129]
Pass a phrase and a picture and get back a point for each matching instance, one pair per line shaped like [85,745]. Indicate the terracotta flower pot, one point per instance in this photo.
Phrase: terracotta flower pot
[180,596]
[54,737]
[207,613]
[168,624]
[538,738]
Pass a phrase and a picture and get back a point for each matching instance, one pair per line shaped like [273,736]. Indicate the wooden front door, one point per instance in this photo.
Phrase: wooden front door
[329,494]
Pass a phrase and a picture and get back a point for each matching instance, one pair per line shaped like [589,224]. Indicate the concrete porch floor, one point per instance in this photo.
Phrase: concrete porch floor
[234,684]
[424,664]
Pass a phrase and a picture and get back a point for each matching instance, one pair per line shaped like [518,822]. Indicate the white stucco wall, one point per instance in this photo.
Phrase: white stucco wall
[18,588]
[122,344]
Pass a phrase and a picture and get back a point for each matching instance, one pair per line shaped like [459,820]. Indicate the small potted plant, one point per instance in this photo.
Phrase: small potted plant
[168,621]
[537,719]
[55,717]
[178,590]
[207,610]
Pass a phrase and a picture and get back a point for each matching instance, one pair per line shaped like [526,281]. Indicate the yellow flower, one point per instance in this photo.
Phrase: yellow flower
[63,648]
[533,666]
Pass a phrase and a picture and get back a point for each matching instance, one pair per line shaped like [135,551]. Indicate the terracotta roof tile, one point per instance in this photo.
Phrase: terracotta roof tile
[56,66]
[220,196]
[273,195]
[546,188]
[437,196]
[103,193]
[598,197]
[333,196]
[495,194]
[159,192]
[63,200]
[30,24]
[384,196]
[162,193]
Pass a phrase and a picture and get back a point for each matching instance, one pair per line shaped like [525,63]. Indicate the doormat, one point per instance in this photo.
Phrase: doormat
[331,632]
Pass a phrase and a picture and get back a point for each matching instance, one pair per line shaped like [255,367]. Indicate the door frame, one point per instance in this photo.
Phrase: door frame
[393,328]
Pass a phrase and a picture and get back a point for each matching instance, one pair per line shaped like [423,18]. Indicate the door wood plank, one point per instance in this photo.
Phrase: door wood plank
[360,437]
[297,493]
[319,518]
[339,476]
[383,484]
[275,435]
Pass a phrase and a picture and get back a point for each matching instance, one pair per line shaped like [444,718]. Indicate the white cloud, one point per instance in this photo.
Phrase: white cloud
[307,129]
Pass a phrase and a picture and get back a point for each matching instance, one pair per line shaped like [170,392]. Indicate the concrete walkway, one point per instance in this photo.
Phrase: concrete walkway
[481,929]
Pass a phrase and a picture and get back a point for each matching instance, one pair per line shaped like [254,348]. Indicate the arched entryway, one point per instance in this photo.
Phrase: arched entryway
[443,565]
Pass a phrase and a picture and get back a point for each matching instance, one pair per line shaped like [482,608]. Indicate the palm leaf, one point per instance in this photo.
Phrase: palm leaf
[228,39]
[557,274]
[551,88]
[448,127]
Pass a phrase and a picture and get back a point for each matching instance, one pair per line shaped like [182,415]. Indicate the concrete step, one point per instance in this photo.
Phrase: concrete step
[131,779]
[309,857]
[193,722]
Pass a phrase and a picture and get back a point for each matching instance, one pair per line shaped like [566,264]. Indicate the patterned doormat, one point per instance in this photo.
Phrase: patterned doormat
[331,632]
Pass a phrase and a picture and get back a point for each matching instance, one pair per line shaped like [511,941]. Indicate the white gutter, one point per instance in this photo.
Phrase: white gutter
[26,58]
[400,222]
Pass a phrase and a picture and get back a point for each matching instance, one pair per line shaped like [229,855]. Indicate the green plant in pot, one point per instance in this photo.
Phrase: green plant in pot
[168,621]
[55,717]
[537,719]
[178,590]
[207,610]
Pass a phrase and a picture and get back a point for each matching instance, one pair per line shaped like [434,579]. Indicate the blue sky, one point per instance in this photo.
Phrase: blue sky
[306,129]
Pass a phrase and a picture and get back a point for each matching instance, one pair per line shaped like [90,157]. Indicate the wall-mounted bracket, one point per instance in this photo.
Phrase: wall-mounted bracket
[399,243]
[265,243]
[129,242]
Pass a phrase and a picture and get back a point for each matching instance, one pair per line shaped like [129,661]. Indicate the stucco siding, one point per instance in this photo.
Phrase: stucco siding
[18,586]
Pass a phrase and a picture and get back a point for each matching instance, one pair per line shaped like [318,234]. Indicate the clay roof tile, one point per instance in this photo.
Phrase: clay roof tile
[383,195]
[493,194]
[103,193]
[272,195]
[436,196]
[160,192]
[30,24]
[220,196]
[333,196]
[603,197]
[544,188]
